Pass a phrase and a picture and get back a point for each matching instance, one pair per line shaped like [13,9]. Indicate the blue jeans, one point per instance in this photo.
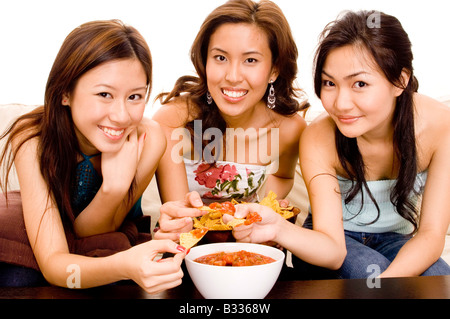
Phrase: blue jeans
[367,253]
[17,276]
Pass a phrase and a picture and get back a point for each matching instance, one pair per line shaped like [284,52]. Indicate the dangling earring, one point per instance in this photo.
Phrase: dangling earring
[271,98]
[208,98]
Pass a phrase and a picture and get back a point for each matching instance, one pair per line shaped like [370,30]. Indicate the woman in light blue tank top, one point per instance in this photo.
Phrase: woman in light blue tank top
[376,166]
[385,178]
[83,161]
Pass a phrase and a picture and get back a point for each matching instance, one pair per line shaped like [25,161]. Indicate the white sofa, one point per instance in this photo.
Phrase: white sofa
[151,201]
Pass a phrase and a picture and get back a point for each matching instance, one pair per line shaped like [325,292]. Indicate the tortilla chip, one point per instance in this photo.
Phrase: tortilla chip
[234,202]
[271,201]
[206,208]
[197,223]
[210,223]
[213,220]
[188,240]
[287,213]
[236,222]
[249,219]
[220,226]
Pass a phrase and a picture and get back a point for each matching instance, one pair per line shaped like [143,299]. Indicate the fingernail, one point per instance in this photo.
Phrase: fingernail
[181,248]
[198,202]
[188,251]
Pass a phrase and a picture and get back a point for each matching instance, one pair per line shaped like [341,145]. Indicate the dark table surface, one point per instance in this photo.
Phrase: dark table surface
[437,287]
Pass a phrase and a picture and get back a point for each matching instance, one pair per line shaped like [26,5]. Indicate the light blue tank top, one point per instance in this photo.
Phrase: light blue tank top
[87,184]
[358,219]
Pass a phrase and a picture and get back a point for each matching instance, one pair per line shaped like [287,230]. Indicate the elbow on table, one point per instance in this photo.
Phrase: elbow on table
[57,273]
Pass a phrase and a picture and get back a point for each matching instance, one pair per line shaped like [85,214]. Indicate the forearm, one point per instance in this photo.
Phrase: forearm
[105,213]
[279,185]
[416,256]
[76,271]
[312,246]
[172,181]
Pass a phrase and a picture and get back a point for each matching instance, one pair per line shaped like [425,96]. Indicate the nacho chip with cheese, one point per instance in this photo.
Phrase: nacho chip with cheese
[251,218]
[213,219]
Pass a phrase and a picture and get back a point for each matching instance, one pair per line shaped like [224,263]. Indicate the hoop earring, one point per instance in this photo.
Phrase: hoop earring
[208,98]
[271,98]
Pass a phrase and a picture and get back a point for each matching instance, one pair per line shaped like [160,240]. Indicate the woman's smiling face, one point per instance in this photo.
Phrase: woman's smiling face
[356,93]
[107,103]
[238,68]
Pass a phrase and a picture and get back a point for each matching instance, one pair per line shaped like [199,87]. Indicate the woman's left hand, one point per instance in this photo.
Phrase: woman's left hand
[258,232]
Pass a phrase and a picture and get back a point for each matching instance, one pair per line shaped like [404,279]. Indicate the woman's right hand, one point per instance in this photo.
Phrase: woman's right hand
[119,168]
[176,216]
[155,275]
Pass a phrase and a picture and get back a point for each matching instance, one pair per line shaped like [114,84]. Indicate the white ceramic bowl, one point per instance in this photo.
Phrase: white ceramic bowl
[245,282]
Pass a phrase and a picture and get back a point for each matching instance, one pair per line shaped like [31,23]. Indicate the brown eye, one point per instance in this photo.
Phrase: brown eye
[220,58]
[360,84]
[135,97]
[104,94]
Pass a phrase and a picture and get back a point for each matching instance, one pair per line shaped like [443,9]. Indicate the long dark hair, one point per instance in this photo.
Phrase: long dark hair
[86,47]
[269,17]
[388,43]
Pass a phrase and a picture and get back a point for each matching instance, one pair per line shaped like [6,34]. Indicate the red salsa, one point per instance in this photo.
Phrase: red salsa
[199,232]
[224,207]
[239,258]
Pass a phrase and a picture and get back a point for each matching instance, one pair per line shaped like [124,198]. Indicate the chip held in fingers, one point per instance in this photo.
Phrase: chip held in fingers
[188,240]
[221,231]
[251,218]
[213,219]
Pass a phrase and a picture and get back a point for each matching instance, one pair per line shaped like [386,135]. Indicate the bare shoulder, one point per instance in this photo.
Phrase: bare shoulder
[176,113]
[22,138]
[155,138]
[291,127]
[295,121]
[321,131]
[149,125]
[432,130]
[426,104]
[432,117]
[317,145]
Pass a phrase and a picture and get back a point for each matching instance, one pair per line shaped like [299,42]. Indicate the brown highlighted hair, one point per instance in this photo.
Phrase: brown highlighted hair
[390,48]
[86,47]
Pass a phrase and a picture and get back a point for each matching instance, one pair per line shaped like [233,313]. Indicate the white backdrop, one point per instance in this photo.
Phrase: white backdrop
[31,33]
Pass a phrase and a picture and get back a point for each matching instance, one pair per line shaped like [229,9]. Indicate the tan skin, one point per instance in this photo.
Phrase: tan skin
[114,93]
[239,68]
[352,103]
